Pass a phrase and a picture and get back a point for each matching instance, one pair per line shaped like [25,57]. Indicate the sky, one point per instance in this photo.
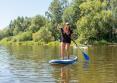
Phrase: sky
[11,9]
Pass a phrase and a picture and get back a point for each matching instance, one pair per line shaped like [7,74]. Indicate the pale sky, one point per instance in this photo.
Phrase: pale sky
[11,9]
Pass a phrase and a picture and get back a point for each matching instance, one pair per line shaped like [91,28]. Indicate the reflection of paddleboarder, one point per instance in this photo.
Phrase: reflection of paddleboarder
[65,75]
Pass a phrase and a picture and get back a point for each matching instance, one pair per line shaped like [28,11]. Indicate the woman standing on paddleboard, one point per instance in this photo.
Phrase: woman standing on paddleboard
[65,40]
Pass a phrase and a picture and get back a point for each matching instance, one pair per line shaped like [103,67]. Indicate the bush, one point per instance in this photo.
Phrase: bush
[25,36]
[55,43]
[103,42]
[43,35]
[5,40]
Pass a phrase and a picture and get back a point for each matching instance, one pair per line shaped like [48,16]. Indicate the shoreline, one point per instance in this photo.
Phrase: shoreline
[53,43]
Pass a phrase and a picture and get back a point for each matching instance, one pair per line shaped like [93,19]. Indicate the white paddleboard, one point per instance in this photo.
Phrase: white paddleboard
[71,60]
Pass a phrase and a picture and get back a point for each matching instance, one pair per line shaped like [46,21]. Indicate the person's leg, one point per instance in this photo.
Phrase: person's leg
[68,49]
[62,49]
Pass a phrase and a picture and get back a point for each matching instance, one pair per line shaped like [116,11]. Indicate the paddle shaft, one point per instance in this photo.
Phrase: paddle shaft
[85,55]
[76,44]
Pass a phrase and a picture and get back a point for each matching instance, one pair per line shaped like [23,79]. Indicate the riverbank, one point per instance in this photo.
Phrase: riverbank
[53,43]
[29,43]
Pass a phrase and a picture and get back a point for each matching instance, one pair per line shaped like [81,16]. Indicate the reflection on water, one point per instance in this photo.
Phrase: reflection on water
[64,75]
[29,64]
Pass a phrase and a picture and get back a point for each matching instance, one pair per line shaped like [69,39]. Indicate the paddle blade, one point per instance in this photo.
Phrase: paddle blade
[86,56]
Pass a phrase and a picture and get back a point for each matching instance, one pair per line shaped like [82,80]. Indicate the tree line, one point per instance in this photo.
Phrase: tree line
[92,20]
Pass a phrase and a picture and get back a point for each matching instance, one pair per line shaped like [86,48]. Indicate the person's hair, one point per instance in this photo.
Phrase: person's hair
[66,28]
[67,23]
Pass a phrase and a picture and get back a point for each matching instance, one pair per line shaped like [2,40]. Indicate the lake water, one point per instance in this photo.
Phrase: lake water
[29,64]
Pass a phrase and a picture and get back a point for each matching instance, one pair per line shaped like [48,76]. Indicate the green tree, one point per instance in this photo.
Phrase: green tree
[68,15]
[72,13]
[18,25]
[37,22]
[75,4]
[55,11]
[54,14]
[6,32]
[43,35]
[113,4]
[23,36]
[94,23]
[1,34]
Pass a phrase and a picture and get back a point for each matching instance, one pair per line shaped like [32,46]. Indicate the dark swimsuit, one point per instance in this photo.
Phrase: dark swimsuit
[66,38]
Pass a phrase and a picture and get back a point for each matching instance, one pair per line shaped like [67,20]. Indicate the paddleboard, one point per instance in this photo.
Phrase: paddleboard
[66,61]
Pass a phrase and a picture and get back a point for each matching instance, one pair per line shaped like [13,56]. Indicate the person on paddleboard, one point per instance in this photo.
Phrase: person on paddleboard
[65,39]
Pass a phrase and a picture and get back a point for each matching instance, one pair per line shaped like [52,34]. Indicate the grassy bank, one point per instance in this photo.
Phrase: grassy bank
[5,41]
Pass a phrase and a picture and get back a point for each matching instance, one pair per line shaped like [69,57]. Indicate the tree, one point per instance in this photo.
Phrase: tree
[25,36]
[1,35]
[54,13]
[37,22]
[18,25]
[113,4]
[72,13]
[75,4]
[94,23]
[68,15]
[43,35]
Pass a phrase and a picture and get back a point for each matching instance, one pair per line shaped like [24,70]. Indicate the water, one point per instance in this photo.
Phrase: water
[29,64]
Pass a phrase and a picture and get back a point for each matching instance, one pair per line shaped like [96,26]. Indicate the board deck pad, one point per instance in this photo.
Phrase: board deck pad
[71,60]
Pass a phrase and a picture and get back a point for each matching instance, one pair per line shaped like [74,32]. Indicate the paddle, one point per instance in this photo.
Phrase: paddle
[84,54]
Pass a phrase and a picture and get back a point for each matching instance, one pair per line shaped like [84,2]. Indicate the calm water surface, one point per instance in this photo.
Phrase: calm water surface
[29,64]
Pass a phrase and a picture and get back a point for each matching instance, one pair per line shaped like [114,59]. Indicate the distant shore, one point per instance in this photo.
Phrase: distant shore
[53,43]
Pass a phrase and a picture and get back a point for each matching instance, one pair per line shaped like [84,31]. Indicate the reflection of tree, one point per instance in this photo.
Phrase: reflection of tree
[65,77]
[20,52]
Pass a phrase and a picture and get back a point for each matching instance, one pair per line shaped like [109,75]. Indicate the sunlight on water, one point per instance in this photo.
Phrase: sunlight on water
[29,64]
